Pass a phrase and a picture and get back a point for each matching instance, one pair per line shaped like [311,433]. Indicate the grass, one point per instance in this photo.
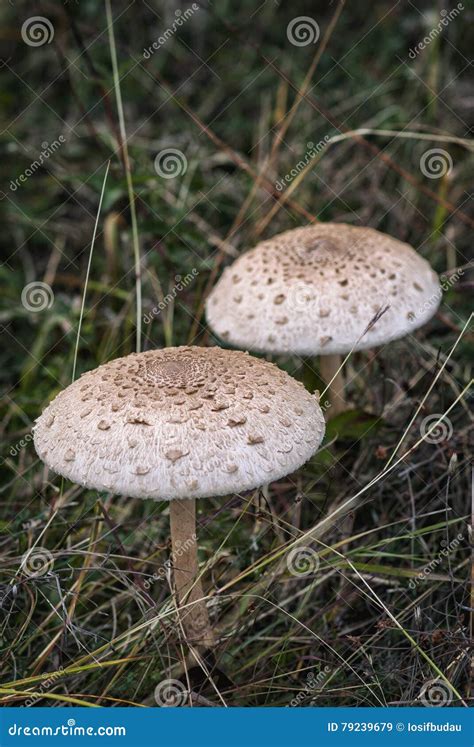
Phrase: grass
[384,506]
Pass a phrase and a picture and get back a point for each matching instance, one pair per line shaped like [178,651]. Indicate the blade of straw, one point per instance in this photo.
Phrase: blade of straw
[76,350]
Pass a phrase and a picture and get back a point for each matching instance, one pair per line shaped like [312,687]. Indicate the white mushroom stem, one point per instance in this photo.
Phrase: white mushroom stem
[189,592]
[330,367]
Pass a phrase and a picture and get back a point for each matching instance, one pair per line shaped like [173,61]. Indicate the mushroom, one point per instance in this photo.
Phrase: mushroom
[327,289]
[180,424]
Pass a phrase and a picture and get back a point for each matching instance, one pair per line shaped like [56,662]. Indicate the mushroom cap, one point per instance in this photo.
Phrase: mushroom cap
[315,290]
[185,422]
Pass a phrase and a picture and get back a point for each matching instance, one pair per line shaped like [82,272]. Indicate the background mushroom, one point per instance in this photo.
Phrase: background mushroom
[180,424]
[320,290]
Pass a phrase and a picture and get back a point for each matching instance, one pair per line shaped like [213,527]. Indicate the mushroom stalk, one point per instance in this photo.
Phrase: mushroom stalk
[189,591]
[331,366]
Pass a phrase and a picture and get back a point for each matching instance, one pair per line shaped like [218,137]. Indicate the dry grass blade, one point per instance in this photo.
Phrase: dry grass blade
[123,145]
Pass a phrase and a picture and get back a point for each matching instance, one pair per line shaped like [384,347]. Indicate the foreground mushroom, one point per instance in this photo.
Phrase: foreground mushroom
[180,424]
[320,290]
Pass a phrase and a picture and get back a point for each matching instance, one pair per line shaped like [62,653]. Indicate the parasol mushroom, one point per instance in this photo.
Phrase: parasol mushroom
[180,424]
[327,289]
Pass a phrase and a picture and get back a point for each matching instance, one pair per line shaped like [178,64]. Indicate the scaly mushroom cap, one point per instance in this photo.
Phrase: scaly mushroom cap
[183,422]
[315,290]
